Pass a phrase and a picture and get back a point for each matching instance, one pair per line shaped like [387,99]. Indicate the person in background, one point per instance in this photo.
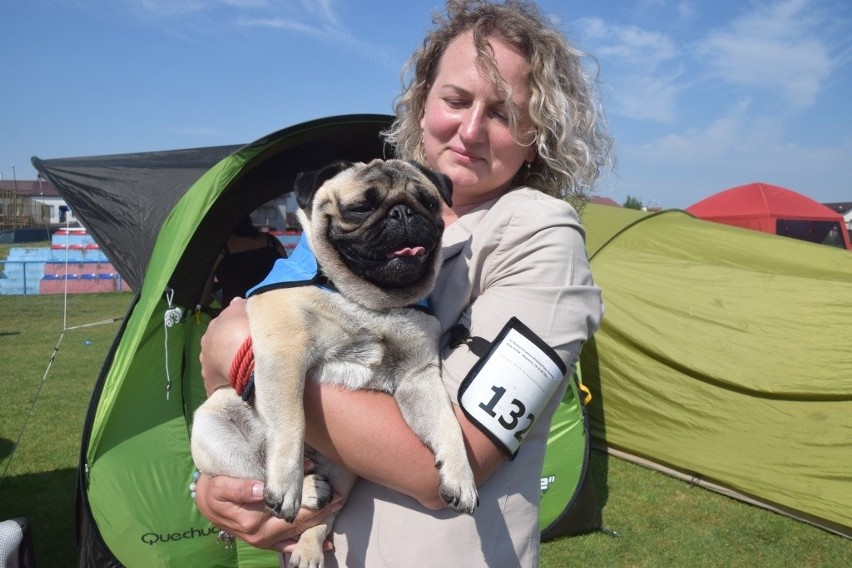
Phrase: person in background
[245,260]
[499,101]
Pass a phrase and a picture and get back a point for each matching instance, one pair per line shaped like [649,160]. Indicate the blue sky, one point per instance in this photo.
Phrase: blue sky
[701,95]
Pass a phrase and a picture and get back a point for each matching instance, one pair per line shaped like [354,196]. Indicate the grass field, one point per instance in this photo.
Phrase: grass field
[660,521]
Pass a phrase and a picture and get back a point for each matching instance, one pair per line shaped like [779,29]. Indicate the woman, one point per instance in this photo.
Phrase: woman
[499,102]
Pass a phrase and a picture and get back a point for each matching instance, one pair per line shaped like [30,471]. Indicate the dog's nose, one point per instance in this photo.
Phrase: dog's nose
[400,212]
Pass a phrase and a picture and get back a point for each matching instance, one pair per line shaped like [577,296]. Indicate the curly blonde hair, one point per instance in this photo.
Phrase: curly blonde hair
[569,128]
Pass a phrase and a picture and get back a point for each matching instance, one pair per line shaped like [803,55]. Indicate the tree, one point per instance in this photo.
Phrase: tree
[633,203]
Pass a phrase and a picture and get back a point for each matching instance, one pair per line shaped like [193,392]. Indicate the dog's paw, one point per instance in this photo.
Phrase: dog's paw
[284,504]
[316,491]
[458,490]
[460,499]
[308,552]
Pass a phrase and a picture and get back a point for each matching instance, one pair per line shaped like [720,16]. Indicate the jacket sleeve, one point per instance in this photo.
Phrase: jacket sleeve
[527,259]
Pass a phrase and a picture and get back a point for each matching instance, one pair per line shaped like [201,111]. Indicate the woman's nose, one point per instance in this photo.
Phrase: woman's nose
[472,128]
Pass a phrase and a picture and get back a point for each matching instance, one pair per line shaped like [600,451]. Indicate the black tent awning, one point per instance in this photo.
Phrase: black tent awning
[122,199]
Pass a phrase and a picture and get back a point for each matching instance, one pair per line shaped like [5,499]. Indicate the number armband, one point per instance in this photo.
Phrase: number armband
[508,388]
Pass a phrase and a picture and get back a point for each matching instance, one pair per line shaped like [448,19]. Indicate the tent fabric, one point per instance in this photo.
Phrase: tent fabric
[723,354]
[134,507]
[568,502]
[761,206]
[141,189]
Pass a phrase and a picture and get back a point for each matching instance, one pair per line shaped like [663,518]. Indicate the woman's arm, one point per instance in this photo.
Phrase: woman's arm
[362,430]
[220,343]
[365,432]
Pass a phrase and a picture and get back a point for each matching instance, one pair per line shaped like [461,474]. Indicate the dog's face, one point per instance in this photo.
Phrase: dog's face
[375,228]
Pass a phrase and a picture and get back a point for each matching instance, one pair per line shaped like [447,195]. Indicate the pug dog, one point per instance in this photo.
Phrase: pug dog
[375,230]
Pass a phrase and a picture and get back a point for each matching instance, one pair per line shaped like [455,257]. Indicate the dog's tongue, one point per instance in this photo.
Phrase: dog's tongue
[407,251]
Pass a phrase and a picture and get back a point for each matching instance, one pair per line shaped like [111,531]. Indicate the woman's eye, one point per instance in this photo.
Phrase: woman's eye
[500,114]
[455,103]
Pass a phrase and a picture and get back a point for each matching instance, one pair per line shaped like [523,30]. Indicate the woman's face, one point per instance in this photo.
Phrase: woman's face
[466,133]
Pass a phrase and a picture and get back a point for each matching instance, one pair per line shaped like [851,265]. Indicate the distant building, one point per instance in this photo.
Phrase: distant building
[15,195]
[845,209]
[604,201]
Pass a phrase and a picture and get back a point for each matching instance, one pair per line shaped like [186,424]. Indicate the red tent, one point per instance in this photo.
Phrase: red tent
[775,210]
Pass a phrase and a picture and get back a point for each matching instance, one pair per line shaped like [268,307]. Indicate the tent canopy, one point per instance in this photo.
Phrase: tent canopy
[122,199]
[776,210]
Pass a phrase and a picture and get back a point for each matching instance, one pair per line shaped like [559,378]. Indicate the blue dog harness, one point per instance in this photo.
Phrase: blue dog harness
[298,269]
[301,269]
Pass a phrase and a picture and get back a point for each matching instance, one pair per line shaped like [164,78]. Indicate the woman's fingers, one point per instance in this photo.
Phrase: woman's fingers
[236,506]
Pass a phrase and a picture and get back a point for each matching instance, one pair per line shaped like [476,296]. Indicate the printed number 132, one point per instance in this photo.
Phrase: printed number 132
[514,416]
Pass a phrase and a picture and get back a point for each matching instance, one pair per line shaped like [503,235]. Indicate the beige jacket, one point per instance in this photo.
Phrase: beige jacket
[521,255]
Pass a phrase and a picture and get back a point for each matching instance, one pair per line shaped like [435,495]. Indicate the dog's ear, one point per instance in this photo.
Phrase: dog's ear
[439,180]
[307,183]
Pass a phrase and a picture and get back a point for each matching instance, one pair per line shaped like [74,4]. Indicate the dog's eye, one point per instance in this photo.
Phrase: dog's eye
[368,202]
[427,200]
[360,208]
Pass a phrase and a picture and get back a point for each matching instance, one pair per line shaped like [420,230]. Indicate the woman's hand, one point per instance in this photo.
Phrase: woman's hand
[236,506]
[220,344]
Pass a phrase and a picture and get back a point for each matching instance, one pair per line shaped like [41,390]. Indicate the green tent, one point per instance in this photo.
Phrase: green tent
[724,358]
[133,502]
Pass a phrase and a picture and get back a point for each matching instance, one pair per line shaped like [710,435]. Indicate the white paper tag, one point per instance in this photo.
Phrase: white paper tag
[507,390]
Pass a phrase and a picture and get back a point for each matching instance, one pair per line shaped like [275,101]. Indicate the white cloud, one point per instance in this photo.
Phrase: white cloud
[628,44]
[782,53]
[778,46]
[246,3]
[169,8]
[720,140]
[686,11]
[320,20]
[636,62]
[324,9]
[647,98]
[743,141]
[312,17]
[156,9]
[190,18]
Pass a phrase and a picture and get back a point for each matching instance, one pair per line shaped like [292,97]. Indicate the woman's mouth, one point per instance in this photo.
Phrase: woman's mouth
[465,155]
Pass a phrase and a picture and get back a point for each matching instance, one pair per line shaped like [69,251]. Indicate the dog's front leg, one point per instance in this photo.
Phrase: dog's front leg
[428,411]
[280,353]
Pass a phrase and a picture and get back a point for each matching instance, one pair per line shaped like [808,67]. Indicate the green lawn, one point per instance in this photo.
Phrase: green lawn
[660,521]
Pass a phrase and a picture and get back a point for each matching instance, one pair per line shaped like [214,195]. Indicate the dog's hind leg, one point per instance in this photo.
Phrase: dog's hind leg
[309,550]
[227,438]
[316,494]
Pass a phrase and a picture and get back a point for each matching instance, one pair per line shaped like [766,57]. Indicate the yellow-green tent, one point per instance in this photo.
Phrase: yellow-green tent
[724,357]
